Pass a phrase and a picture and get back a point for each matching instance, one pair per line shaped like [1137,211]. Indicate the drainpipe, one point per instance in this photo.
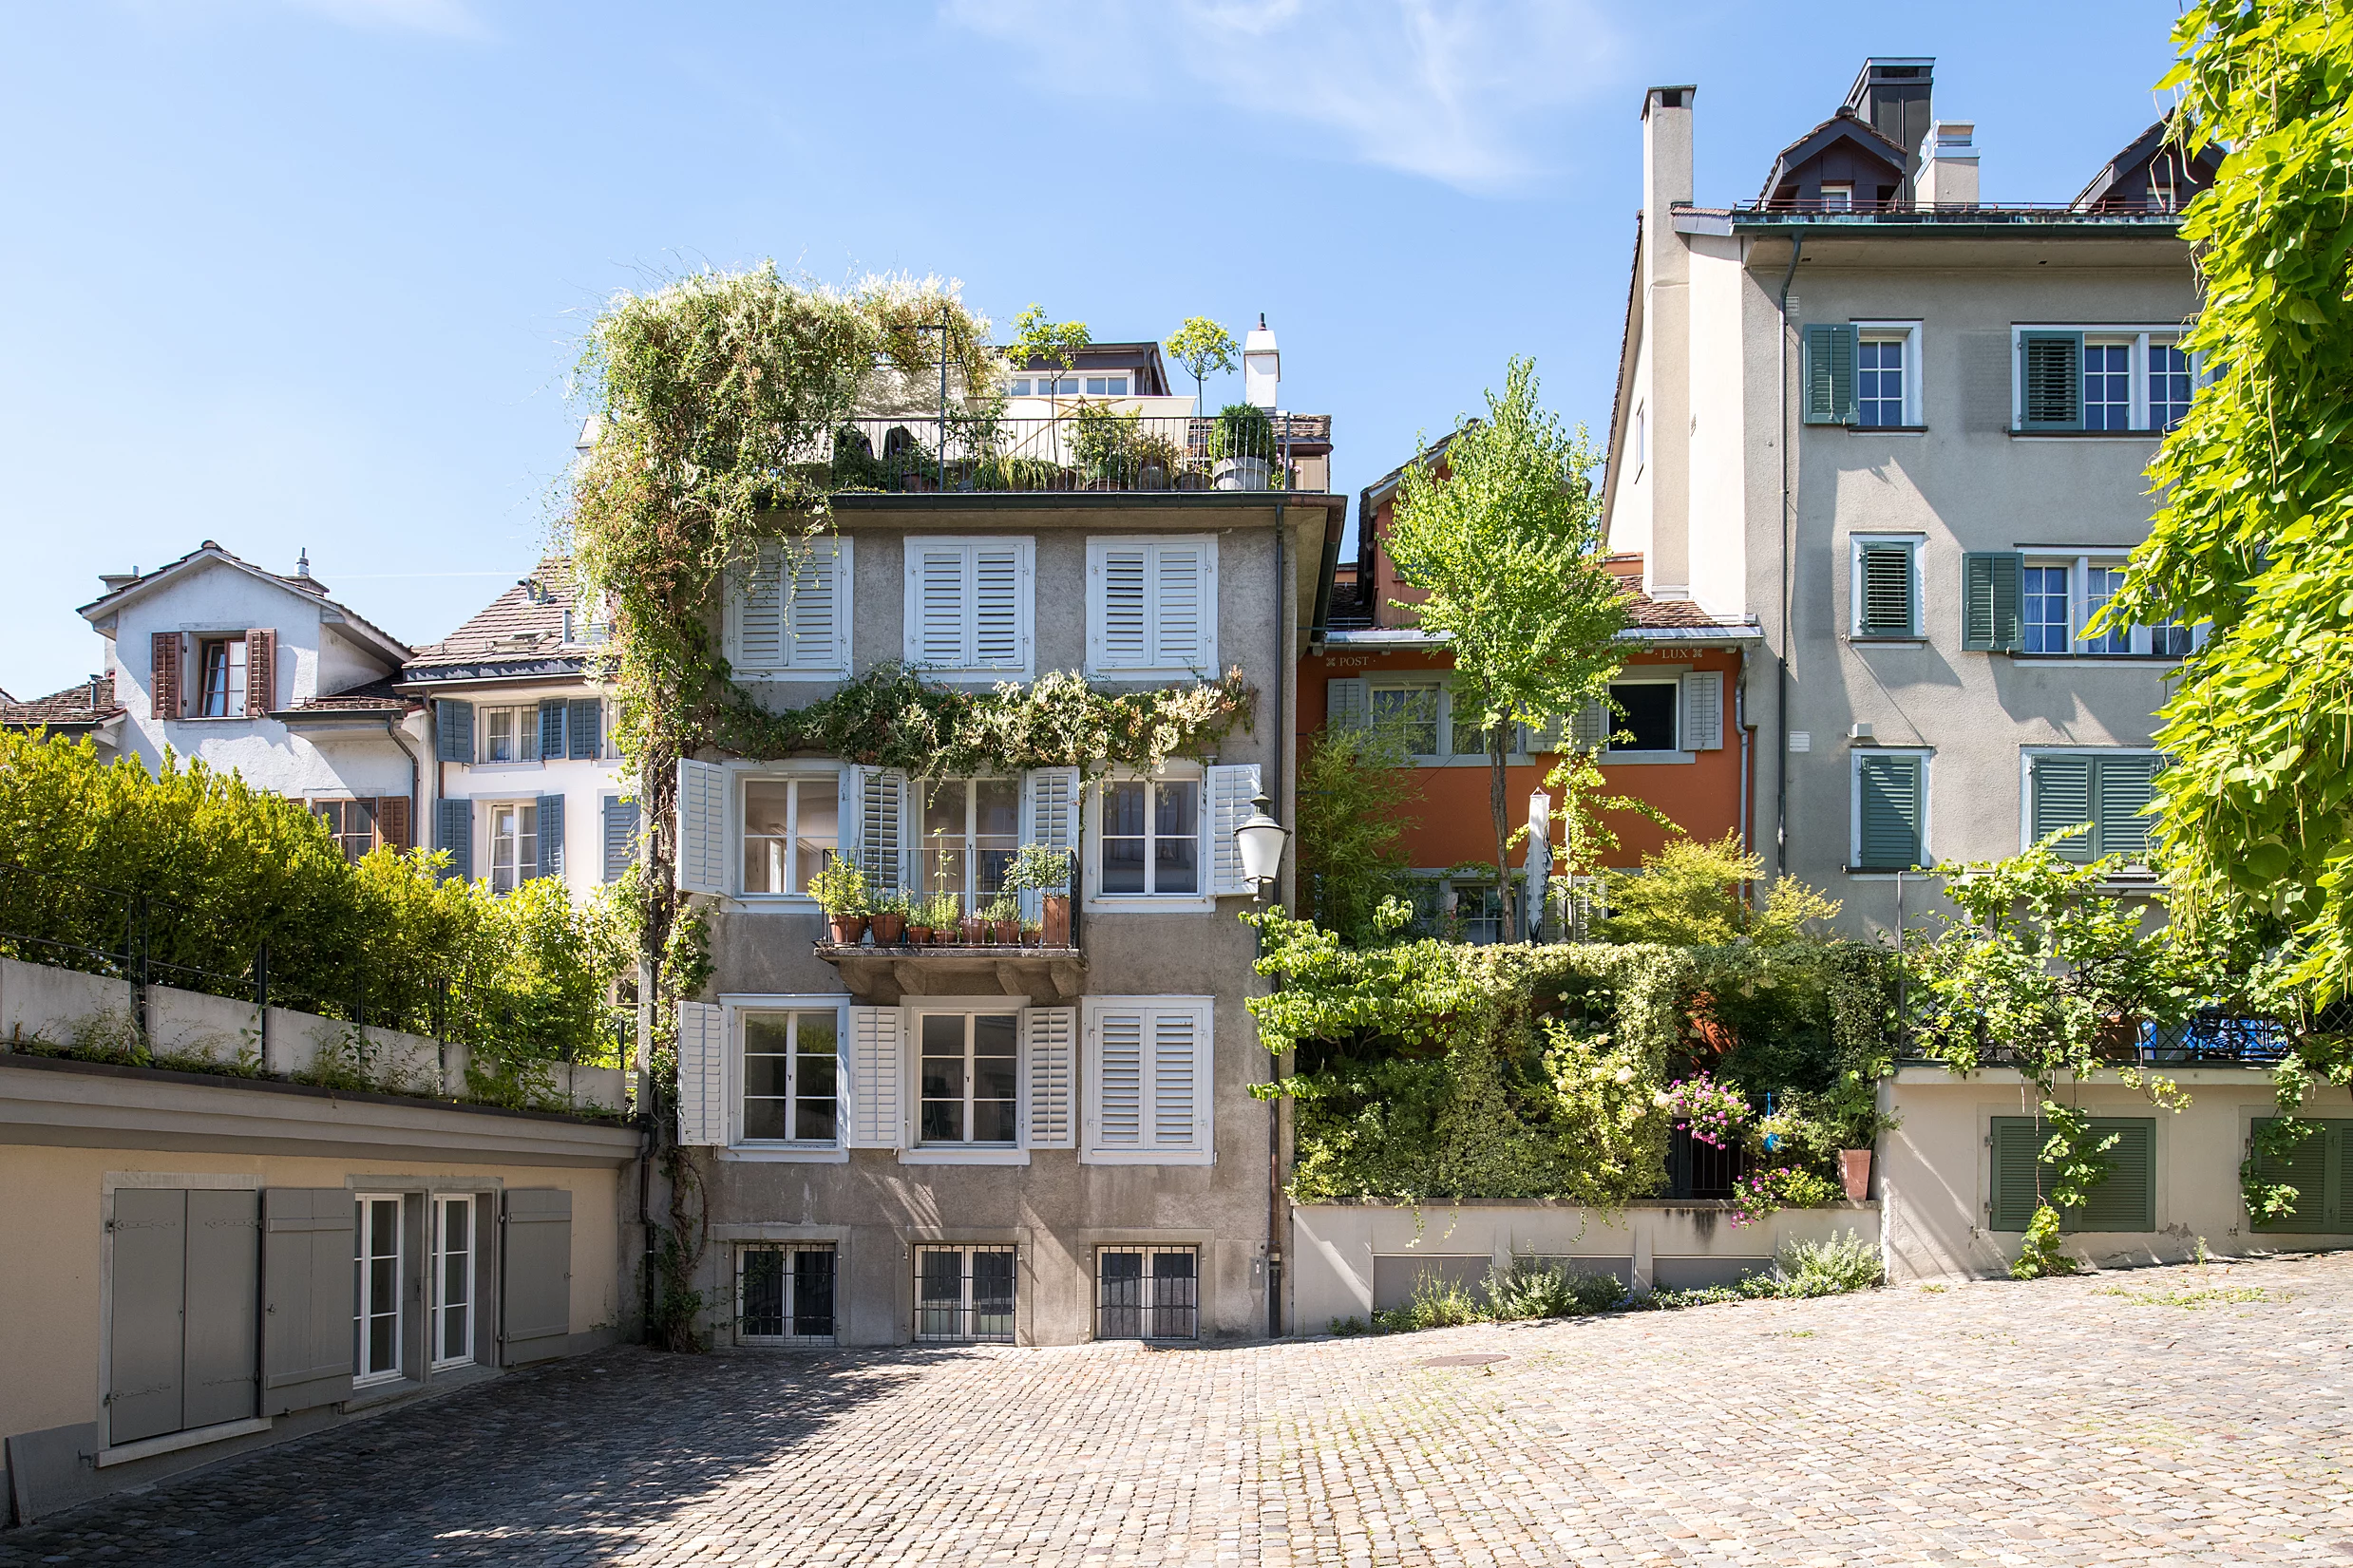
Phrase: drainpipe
[1740,723]
[1781,707]
[416,806]
[1284,728]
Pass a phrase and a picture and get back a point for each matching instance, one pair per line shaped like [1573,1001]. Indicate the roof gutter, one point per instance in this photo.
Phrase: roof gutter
[1334,525]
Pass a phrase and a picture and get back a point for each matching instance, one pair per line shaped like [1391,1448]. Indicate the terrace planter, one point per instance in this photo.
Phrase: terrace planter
[1055,928]
[919,936]
[890,930]
[975,930]
[1854,1169]
[1153,476]
[848,930]
[1242,473]
[1008,933]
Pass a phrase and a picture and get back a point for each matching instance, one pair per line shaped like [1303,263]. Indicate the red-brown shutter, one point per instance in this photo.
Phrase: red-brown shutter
[393,821]
[261,673]
[163,675]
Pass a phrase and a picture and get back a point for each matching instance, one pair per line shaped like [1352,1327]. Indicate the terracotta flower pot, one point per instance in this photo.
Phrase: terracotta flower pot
[975,930]
[919,936]
[1854,1169]
[847,929]
[889,930]
[1054,931]
[1008,933]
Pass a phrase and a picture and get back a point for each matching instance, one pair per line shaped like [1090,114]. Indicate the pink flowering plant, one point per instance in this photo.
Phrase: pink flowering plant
[1763,1193]
[1714,1112]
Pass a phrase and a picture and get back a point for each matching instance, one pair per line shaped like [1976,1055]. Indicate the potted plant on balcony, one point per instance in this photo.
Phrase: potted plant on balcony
[840,889]
[939,917]
[1045,872]
[1003,914]
[1241,443]
[888,918]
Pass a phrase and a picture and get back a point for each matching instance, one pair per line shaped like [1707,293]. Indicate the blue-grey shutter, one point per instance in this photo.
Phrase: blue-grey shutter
[620,836]
[453,730]
[584,730]
[223,1301]
[1992,614]
[1828,374]
[2125,1199]
[2018,1147]
[2050,381]
[147,1385]
[2306,1166]
[534,1275]
[306,1297]
[1346,705]
[2120,787]
[550,730]
[453,830]
[2061,797]
[1884,593]
[1888,810]
[550,836]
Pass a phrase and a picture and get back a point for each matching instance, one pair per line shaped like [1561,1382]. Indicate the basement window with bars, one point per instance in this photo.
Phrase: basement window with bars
[1147,1293]
[1886,586]
[964,1294]
[785,1293]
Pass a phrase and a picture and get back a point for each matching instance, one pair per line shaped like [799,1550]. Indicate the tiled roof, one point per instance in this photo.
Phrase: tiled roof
[1649,615]
[376,696]
[302,584]
[523,624]
[1848,121]
[70,707]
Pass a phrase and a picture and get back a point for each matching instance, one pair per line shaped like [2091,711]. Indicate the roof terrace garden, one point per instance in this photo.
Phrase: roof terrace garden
[1079,445]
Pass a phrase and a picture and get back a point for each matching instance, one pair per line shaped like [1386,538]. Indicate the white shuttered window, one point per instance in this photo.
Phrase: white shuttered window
[1151,607]
[968,606]
[702,827]
[702,1073]
[1148,1081]
[779,628]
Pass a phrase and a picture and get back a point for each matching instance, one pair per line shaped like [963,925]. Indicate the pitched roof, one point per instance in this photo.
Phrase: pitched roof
[73,708]
[1845,124]
[376,696]
[2155,157]
[116,596]
[526,625]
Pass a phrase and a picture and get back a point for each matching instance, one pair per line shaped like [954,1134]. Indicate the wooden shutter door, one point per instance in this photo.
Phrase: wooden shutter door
[1117,1093]
[2062,791]
[1051,1037]
[1703,710]
[2121,787]
[875,826]
[1000,631]
[2125,1199]
[760,612]
[815,616]
[147,1384]
[620,836]
[2304,1168]
[2050,381]
[453,730]
[1992,608]
[1183,631]
[261,673]
[163,675]
[534,1275]
[875,1073]
[1231,789]
[453,830]
[938,595]
[1346,705]
[393,829]
[1177,1097]
[306,1314]
[1884,594]
[550,730]
[1120,636]
[551,826]
[702,827]
[1829,374]
[1049,820]
[1888,812]
[1589,726]
[2018,1145]
[223,1302]
[702,1074]
[585,730]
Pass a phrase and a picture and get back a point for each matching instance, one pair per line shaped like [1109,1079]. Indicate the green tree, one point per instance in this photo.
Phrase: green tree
[2255,533]
[1201,346]
[1356,790]
[1035,337]
[1506,544]
[1690,894]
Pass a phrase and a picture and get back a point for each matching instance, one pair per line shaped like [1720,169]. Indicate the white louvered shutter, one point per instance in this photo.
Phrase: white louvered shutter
[1703,710]
[702,1073]
[1590,728]
[760,612]
[1049,817]
[1181,607]
[1176,1098]
[702,826]
[874,824]
[998,628]
[1052,1042]
[875,1074]
[1231,789]
[1120,637]
[1148,1100]
[1545,739]
[1346,705]
[817,622]
[1119,1082]
[938,599]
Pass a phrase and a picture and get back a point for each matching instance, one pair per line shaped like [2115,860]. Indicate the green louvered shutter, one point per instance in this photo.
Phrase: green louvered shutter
[585,730]
[2017,1143]
[2050,381]
[1889,811]
[2120,787]
[1885,607]
[2315,1167]
[2062,798]
[1829,374]
[453,730]
[453,830]
[551,730]
[1991,618]
[2126,1198]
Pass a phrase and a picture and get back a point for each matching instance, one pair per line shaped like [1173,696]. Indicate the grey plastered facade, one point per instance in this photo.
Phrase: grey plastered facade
[1056,1206]
[1714,464]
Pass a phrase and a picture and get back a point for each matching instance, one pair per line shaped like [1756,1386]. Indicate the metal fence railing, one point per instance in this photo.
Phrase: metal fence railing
[1091,447]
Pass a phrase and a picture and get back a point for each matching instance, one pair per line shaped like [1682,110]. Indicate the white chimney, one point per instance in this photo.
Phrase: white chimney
[591,428]
[1262,365]
[302,562]
[1949,165]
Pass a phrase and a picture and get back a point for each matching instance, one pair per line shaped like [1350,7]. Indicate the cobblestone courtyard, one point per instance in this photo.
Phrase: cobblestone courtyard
[2173,1415]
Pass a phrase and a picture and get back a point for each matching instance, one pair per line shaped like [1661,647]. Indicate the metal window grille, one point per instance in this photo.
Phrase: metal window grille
[965,1293]
[1147,1293]
[784,1294]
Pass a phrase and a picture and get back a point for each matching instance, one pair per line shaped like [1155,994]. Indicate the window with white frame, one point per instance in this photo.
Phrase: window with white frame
[791,1076]
[1432,723]
[1641,437]
[2104,792]
[2060,596]
[1887,374]
[968,1074]
[455,1252]
[1886,575]
[508,735]
[1150,838]
[790,826]
[377,1286]
[2100,379]
[791,624]
[1837,196]
[965,1293]
[968,606]
[784,1293]
[221,662]
[1151,607]
[970,831]
[513,843]
[1648,717]
[1148,1079]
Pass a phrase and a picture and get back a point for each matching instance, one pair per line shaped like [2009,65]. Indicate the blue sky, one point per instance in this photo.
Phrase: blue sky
[294,273]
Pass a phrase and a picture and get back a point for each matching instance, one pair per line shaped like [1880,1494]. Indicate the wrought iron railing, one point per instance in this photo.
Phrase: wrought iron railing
[1091,447]
[1697,1168]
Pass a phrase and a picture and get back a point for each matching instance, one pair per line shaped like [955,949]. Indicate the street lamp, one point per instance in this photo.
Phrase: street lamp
[1261,839]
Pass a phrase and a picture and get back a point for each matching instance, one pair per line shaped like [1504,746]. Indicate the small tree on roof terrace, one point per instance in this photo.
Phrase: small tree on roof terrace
[1507,544]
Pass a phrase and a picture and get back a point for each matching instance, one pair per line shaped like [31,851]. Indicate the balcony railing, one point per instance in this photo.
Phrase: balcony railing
[1093,446]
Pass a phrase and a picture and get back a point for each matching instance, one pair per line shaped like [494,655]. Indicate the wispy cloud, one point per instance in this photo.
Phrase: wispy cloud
[1460,91]
[446,18]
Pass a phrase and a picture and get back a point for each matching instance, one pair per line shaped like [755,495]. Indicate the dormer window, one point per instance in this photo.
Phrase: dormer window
[222,694]
[1837,198]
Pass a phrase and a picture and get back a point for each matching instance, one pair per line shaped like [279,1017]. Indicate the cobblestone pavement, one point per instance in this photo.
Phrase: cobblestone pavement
[2165,1415]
